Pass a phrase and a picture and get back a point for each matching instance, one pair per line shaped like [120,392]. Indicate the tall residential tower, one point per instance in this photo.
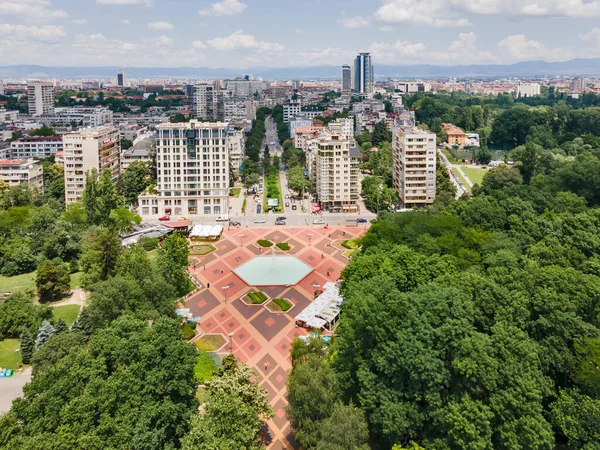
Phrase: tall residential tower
[40,97]
[121,79]
[363,74]
[346,78]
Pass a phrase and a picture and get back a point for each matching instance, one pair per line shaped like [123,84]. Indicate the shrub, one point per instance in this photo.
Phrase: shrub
[283,246]
[264,243]
[149,244]
[258,298]
[282,303]
[205,367]
[350,244]
[202,345]
[189,330]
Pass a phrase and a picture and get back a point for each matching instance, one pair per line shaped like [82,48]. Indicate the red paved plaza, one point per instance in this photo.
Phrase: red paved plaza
[260,338]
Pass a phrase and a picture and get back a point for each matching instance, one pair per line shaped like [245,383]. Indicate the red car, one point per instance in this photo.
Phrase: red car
[164,218]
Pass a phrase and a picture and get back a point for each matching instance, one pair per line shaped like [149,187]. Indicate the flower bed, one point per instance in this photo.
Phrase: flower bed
[210,342]
[264,243]
[202,249]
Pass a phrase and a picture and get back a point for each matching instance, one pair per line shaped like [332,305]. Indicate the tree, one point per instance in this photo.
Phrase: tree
[124,220]
[346,429]
[234,412]
[297,180]
[126,144]
[52,281]
[43,131]
[577,416]
[44,333]
[172,261]
[27,346]
[18,313]
[61,326]
[312,391]
[100,197]
[99,254]
[250,180]
[132,383]
[136,178]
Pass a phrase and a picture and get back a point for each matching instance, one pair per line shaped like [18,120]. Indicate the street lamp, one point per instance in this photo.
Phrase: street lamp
[241,236]
[225,288]
[231,341]
[309,236]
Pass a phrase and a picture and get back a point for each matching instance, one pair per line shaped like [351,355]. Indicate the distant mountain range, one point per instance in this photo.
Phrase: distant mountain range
[528,68]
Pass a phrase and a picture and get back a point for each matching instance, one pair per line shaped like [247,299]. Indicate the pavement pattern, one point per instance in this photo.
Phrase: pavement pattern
[258,337]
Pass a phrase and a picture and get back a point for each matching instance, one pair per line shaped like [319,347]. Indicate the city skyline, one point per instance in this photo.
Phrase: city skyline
[232,33]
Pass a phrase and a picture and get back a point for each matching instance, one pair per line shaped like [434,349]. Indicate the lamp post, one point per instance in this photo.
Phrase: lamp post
[309,236]
[231,341]
[242,236]
[225,288]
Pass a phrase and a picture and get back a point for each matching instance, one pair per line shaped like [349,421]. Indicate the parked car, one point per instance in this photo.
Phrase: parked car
[281,218]
[184,218]
[287,195]
[163,218]
[294,207]
[233,223]
[319,222]
[260,221]
[223,218]
[258,209]
[361,220]
[279,222]
[287,204]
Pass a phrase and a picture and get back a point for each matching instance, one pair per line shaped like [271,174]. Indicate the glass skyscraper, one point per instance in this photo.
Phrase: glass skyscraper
[363,74]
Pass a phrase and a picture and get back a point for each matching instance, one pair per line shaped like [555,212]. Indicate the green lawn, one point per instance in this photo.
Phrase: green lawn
[68,313]
[235,192]
[204,368]
[475,175]
[76,279]
[18,283]
[9,358]
[152,255]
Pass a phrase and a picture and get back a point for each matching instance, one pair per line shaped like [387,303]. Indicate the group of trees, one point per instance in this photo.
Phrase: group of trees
[474,324]
[295,163]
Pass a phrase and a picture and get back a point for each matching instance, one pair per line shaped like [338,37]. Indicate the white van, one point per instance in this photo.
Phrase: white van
[223,218]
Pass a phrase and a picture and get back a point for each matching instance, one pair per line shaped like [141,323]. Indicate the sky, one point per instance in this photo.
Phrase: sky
[283,33]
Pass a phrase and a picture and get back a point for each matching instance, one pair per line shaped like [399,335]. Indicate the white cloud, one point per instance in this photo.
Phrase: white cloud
[241,41]
[31,9]
[353,22]
[147,3]
[386,29]
[518,48]
[160,26]
[101,46]
[568,8]
[199,45]
[398,52]
[421,12]
[79,21]
[327,55]
[592,36]
[224,8]
[24,34]
[126,22]
[162,41]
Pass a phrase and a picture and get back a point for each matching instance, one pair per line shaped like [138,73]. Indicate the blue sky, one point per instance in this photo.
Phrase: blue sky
[279,33]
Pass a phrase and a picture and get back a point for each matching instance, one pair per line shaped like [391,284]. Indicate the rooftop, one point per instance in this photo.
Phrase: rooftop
[191,124]
[324,309]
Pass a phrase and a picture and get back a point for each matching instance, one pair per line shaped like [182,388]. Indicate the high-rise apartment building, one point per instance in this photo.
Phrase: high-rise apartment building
[208,102]
[346,78]
[414,165]
[89,148]
[578,84]
[192,166]
[528,89]
[336,171]
[15,172]
[40,97]
[121,79]
[363,74]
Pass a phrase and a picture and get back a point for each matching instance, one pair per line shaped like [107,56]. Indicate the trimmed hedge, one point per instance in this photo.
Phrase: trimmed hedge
[258,298]
[282,303]
[264,243]
[283,246]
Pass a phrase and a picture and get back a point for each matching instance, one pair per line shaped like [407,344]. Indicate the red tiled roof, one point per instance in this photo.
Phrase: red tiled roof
[178,224]
[12,162]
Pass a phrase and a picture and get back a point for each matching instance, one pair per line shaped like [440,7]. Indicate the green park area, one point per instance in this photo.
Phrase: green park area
[474,174]
[9,357]
[68,313]
[23,282]
[235,192]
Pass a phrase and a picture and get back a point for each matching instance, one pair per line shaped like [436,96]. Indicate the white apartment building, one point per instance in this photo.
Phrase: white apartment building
[414,165]
[18,171]
[208,102]
[40,96]
[336,171]
[291,110]
[80,116]
[192,171]
[528,89]
[89,148]
[236,148]
[36,147]
[141,151]
[578,84]
[8,116]
[245,88]
[298,122]
[346,126]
